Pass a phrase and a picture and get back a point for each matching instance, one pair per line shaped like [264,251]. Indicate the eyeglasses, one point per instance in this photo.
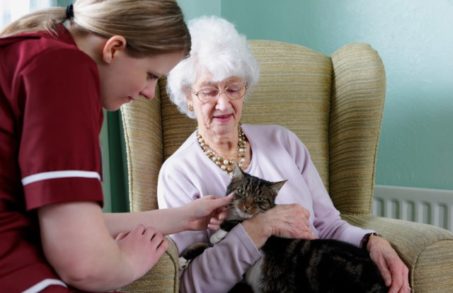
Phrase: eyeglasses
[233,91]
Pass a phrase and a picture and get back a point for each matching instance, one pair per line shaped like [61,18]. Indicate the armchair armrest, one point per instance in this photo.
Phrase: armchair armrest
[426,250]
[163,277]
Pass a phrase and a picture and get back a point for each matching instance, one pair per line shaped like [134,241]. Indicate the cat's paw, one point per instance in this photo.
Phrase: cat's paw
[183,263]
[217,236]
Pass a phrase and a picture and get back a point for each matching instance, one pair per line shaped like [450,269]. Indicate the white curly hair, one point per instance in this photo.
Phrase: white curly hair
[216,48]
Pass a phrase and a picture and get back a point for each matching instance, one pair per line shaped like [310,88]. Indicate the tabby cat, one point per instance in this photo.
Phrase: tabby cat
[295,265]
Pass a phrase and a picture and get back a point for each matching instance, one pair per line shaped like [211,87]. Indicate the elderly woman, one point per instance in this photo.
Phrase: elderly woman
[210,86]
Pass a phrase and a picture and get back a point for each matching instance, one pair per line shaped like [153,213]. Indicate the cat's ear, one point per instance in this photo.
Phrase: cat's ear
[276,186]
[237,172]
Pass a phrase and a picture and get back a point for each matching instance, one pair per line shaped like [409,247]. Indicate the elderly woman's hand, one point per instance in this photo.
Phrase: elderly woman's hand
[286,220]
[207,212]
[392,268]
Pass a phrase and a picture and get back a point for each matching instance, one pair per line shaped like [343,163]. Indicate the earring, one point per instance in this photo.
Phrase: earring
[190,107]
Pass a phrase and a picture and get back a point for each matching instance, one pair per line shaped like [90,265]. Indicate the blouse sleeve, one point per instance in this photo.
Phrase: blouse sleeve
[218,268]
[327,220]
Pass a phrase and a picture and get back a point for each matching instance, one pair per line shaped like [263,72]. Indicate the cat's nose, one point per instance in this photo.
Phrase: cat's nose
[248,209]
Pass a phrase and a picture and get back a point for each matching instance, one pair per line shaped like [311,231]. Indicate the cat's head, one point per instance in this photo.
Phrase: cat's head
[252,195]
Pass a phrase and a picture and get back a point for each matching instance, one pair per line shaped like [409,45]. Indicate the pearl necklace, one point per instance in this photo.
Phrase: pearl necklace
[223,163]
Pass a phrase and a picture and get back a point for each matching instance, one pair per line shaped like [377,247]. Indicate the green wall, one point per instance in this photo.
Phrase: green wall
[415,41]
[195,8]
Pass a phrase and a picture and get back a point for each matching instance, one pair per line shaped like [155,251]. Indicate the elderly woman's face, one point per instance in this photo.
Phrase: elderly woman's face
[218,105]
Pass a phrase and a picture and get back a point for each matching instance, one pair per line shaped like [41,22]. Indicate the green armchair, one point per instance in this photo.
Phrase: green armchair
[335,105]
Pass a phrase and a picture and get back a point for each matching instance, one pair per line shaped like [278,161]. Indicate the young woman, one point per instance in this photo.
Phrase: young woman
[58,69]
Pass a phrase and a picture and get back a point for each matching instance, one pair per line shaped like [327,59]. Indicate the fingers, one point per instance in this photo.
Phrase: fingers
[291,221]
[147,234]
[386,275]
[153,236]
[399,276]
[137,230]
[220,214]
[308,233]
[394,272]
[208,204]
[377,254]
[214,223]
[222,201]
[121,235]
[163,247]
[142,247]
[217,218]
[157,242]
[210,212]
[396,279]
[405,288]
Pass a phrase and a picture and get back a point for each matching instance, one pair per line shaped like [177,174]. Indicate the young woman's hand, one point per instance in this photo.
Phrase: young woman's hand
[74,234]
[142,248]
[207,212]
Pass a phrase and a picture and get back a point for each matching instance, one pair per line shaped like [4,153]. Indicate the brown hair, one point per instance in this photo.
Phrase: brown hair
[149,26]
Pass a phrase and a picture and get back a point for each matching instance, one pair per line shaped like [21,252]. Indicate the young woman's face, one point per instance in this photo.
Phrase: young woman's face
[127,78]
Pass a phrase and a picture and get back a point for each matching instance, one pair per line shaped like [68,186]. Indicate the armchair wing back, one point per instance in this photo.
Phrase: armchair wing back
[335,105]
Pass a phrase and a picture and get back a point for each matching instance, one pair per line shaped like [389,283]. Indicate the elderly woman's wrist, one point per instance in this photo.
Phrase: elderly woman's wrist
[364,243]
[258,233]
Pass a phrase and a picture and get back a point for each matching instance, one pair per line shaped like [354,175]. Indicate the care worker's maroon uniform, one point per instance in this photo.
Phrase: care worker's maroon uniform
[50,119]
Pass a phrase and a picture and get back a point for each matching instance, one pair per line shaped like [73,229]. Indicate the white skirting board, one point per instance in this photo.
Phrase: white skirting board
[429,206]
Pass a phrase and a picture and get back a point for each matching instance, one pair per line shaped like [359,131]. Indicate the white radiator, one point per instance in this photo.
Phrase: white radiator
[429,206]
